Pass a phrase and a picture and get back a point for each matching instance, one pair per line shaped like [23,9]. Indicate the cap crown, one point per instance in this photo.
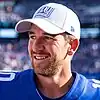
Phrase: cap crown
[60,16]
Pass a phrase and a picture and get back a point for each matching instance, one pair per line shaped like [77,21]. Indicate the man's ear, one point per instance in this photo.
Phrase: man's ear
[74,44]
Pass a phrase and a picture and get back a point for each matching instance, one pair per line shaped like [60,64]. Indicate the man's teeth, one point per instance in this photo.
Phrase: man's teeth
[40,58]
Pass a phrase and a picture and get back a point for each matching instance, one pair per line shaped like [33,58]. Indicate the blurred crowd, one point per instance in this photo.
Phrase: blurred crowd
[7,17]
[14,55]
[87,58]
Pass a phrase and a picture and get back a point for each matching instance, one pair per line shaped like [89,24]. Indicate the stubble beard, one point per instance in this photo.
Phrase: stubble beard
[50,70]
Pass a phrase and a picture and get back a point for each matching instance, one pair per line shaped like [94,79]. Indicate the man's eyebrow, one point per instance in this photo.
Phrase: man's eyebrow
[30,33]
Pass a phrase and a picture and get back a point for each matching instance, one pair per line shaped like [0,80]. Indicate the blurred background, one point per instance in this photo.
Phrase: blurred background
[13,46]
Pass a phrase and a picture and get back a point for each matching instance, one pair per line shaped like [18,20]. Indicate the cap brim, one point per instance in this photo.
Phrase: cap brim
[25,25]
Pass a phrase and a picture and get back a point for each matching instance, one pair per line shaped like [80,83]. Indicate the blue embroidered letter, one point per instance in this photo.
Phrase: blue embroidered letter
[44,12]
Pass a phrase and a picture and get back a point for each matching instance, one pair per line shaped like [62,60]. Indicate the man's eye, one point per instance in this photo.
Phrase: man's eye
[32,37]
[49,37]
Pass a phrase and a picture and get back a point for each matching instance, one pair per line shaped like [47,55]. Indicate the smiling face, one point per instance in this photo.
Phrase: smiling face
[47,52]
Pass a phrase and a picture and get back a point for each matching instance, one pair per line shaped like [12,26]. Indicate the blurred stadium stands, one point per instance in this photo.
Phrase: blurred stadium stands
[13,50]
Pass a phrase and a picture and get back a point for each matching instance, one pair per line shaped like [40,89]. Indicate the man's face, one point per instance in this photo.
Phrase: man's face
[47,52]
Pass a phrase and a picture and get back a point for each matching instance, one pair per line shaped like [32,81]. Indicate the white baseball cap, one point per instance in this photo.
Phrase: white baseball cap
[53,18]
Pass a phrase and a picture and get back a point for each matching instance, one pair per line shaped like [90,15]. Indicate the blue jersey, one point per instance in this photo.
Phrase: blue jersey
[21,86]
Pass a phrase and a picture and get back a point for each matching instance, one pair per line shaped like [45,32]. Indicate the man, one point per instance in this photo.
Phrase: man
[54,33]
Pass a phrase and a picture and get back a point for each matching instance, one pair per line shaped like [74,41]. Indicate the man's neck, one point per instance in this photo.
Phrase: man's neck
[55,86]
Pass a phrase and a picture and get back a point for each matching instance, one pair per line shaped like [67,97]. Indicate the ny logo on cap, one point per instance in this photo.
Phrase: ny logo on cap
[72,29]
[44,12]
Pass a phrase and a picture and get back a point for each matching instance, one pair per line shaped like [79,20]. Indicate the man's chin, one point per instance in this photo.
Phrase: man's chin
[46,74]
[46,69]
